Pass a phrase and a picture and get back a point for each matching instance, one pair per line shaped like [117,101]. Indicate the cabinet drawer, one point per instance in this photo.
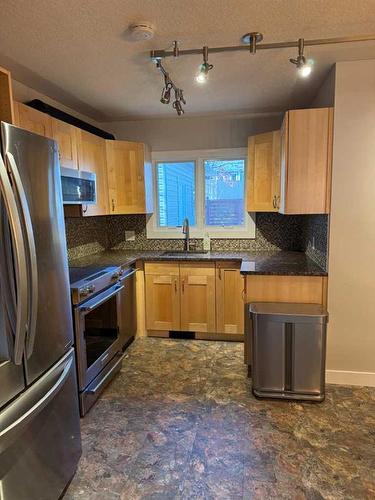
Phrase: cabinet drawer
[165,268]
[197,269]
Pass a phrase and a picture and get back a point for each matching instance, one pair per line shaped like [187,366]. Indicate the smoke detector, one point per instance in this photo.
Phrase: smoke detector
[140,32]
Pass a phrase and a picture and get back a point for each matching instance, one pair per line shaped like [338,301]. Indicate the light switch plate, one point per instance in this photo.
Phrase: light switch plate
[129,235]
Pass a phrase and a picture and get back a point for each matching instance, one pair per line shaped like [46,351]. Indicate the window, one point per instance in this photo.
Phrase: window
[224,192]
[207,187]
[176,193]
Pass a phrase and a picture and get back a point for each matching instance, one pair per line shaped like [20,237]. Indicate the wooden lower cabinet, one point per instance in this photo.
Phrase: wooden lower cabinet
[230,288]
[162,296]
[299,289]
[180,297]
[198,297]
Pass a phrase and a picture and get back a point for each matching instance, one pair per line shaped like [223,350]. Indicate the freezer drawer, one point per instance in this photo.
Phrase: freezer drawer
[288,350]
[40,441]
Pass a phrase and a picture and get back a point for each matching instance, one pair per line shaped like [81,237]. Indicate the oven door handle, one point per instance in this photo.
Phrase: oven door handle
[101,299]
[128,275]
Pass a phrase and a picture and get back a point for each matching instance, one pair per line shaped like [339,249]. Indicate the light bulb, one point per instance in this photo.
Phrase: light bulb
[201,77]
[305,70]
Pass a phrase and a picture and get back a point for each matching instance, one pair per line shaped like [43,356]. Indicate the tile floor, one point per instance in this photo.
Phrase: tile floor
[180,422]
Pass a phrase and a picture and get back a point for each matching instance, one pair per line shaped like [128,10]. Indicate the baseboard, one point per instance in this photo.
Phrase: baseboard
[350,378]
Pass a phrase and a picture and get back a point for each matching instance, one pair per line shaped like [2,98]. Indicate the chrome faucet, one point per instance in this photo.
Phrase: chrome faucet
[186,232]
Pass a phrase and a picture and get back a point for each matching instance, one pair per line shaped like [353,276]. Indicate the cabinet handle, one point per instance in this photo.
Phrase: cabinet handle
[243,293]
[219,273]
[183,286]
[274,202]
[113,205]
[175,286]
[277,201]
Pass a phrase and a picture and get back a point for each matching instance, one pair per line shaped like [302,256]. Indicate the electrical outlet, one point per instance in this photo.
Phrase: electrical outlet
[129,235]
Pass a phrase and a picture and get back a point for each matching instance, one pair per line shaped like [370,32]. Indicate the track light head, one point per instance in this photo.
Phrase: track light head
[166,94]
[202,75]
[304,67]
[204,68]
[177,106]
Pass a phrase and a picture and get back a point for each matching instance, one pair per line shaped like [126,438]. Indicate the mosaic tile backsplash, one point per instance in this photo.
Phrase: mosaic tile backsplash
[307,233]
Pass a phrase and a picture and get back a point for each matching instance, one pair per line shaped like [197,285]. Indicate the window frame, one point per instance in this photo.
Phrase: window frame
[247,231]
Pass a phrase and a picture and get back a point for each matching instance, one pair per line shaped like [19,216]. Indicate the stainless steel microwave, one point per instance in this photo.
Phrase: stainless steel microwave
[78,187]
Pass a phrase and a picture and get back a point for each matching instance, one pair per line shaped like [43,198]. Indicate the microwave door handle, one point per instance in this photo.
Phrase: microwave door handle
[33,272]
[20,264]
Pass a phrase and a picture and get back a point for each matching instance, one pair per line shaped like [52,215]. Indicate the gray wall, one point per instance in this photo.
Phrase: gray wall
[187,133]
[325,96]
[351,284]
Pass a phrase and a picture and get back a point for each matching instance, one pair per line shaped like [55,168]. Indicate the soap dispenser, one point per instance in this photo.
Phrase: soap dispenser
[206,242]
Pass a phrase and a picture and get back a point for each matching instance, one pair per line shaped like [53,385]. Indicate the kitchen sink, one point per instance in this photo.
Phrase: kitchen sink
[183,253]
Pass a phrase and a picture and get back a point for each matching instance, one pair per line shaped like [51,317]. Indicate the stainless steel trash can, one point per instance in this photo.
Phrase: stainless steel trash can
[288,350]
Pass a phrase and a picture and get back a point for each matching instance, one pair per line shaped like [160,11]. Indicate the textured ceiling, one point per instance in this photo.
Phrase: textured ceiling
[79,52]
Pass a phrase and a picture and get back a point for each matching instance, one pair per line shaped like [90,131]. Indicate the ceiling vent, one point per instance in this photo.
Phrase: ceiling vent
[140,32]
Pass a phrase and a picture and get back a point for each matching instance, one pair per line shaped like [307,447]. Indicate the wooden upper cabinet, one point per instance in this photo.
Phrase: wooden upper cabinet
[198,301]
[263,172]
[230,290]
[129,177]
[66,137]
[7,111]
[92,158]
[162,296]
[306,156]
[33,120]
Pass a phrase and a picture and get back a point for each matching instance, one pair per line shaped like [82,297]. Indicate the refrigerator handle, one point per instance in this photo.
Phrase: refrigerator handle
[25,408]
[20,264]
[33,273]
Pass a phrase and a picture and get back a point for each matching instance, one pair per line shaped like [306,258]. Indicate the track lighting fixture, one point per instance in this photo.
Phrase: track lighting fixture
[167,89]
[204,68]
[166,92]
[304,68]
[250,42]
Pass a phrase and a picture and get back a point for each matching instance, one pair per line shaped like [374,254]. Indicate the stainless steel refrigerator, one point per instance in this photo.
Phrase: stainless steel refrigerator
[40,441]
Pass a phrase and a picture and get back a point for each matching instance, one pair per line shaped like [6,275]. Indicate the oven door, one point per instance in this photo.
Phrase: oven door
[97,333]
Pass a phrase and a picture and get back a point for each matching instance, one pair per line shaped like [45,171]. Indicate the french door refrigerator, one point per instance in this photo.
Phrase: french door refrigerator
[40,441]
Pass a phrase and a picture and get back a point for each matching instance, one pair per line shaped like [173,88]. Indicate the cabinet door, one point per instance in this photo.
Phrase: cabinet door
[162,296]
[198,297]
[92,158]
[66,137]
[229,298]
[263,172]
[129,178]
[306,161]
[33,120]
[8,113]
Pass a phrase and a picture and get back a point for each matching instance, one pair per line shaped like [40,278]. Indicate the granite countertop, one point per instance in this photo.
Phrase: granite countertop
[280,262]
